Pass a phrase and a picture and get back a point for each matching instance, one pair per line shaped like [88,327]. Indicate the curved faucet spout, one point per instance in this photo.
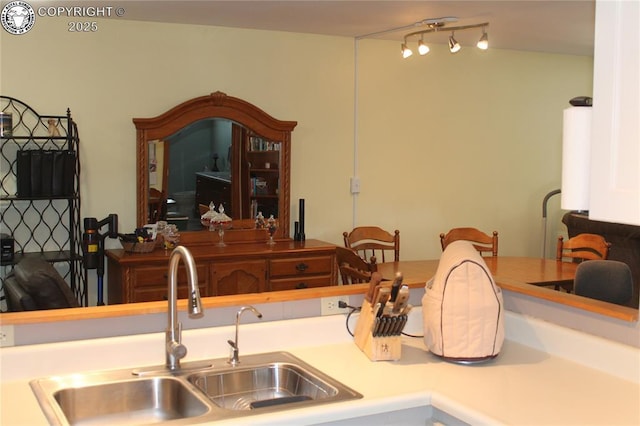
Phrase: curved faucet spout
[234,359]
[175,350]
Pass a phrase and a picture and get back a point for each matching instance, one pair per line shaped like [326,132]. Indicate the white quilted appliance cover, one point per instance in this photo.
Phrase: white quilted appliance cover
[462,307]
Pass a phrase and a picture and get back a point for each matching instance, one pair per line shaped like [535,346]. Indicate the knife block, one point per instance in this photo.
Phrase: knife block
[387,348]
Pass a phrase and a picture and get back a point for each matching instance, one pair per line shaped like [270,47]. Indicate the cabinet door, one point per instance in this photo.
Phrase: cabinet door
[615,131]
[238,277]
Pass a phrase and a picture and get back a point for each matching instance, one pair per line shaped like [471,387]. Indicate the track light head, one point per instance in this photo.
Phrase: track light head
[483,43]
[423,49]
[406,52]
[454,46]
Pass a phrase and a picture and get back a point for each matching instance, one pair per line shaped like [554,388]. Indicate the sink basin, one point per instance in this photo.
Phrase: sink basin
[260,383]
[139,401]
[116,398]
[267,382]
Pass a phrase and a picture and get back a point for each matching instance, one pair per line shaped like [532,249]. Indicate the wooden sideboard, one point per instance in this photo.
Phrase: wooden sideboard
[237,268]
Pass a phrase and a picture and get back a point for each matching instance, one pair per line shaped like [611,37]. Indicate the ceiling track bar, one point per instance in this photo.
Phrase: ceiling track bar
[441,27]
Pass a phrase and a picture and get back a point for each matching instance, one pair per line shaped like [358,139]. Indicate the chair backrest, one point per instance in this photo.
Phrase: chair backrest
[36,284]
[607,280]
[17,297]
[583,247]
[353,269]
[157,205]
[373,242]
[482,242]
[202,209]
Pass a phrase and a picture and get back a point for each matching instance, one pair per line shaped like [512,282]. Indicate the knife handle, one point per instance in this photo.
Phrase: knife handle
[395,287]
[376,279]
[402,300]
[382,298]
[386,323]
[375,326]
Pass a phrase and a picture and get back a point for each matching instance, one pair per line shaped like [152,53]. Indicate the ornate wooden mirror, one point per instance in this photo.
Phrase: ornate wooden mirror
[257,160]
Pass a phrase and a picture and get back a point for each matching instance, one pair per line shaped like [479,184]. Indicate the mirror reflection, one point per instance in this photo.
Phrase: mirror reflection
[207,164]
[213,149]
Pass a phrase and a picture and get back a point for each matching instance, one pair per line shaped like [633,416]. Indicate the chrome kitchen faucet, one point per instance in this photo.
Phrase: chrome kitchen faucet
[234,358]
[175,350]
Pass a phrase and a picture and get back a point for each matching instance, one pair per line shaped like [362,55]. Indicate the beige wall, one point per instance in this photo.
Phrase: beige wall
[472,139]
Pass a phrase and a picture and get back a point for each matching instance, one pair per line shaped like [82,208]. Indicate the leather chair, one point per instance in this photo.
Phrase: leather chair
[482,242]
[580,248]
[606,280]
[373,243]
[35,284]
[18,299]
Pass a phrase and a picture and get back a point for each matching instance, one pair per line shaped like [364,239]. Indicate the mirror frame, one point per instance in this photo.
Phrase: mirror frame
[215,105]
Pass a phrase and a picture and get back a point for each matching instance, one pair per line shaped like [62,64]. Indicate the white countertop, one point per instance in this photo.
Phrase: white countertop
[574,380]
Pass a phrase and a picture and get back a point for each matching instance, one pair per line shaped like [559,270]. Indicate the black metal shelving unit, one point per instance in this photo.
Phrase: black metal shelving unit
[43,226]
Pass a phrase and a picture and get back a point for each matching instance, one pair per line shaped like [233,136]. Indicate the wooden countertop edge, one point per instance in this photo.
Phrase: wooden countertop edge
[591,305]
[98,312]
[108,311]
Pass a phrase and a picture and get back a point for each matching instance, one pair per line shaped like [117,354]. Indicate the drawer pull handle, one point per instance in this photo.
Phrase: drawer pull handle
[301,285]
[301,267]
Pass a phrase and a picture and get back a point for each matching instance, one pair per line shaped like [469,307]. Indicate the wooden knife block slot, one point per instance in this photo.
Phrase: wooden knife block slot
[387,348]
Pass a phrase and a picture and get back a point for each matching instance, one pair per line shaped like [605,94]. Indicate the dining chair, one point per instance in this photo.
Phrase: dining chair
[353,269]
[373,243]
[482,242]
[157,205]
[583,247]
[606,280]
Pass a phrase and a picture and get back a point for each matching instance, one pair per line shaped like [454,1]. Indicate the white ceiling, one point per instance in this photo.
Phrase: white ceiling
[554,26]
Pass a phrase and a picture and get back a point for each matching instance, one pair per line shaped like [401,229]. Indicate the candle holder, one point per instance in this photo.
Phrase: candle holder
[221,227]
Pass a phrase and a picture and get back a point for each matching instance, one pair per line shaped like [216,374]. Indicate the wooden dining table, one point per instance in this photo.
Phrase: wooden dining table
[530,270]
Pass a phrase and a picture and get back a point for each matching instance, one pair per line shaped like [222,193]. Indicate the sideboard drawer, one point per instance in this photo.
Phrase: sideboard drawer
[153,276]
[295,266]
[152,294]
[300,282]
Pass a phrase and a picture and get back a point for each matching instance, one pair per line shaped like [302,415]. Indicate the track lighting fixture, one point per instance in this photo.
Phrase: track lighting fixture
[483,43]
[423,49]
[406,52]
[435,25]
[454,46]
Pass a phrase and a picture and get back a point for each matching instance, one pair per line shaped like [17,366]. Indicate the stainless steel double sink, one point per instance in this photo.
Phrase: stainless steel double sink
[197,393]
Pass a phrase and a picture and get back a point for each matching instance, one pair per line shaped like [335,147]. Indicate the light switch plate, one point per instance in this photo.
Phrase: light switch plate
[355,185]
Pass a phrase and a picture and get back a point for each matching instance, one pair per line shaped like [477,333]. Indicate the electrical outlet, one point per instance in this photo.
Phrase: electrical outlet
[355,185]
[329,305]
[6,336]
